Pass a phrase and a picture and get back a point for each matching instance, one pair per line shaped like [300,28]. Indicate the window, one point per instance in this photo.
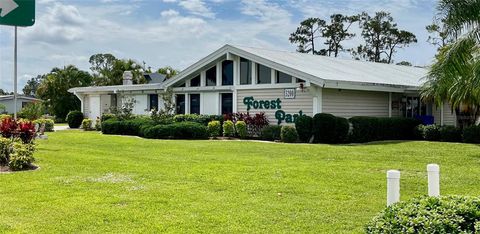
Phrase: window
[300,80]
[245,71]
[182,85]
[264,74]
[194,103]
[227,72]
[227,103]
[180,104]
[113,100]
[153,101]
[211,76]
[195,81]
[283,78]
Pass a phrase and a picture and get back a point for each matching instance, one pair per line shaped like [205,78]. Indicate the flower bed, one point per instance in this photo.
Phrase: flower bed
[16,145]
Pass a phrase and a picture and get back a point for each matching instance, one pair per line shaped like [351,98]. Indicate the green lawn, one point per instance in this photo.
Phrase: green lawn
[89,182]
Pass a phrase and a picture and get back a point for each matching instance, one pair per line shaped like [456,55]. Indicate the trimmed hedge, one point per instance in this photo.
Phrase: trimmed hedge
[327,128]
[445,214]
[228,129]
[450,134]
[471,134]
[74,119]
[133,127]
[49,124]
[201,119]
[289,134]
[241,127]
[214,128]
[182,130]
[303,125]
[375,129]
[271,133]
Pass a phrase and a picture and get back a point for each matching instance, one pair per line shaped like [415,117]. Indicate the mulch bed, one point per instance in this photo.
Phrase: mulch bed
[6,169]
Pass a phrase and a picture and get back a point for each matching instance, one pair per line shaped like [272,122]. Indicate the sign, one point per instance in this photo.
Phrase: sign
[17,12]
[275,104]
[289,94]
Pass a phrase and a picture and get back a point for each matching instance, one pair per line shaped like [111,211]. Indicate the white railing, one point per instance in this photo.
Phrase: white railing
[393,183]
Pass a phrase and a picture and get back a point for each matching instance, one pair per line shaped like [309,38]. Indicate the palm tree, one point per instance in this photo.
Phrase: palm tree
[455,75]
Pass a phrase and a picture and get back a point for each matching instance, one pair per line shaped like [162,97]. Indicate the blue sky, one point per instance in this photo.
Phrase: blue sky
[179,32]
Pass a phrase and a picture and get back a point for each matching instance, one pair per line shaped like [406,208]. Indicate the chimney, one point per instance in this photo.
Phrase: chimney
[127,78]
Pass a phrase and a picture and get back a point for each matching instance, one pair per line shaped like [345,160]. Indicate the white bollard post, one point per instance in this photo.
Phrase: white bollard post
[433,171]
[393,186]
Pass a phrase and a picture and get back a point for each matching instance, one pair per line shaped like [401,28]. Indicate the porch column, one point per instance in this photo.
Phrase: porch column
[390,104]
[254,73]
[441,115]
[219,74]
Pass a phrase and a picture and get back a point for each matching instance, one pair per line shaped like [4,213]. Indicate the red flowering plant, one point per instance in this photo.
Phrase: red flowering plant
[255,123]
[26,131]
[9,128]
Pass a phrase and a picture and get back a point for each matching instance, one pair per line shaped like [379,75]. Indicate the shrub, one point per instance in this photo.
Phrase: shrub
[32,111]
[98,124]
[323,128]
[189,130]
[446,214]
[8,127]
[450,134]
[289,134]
[49,124]
[241,127]
[106,117]
[74,119]
[214,129]
[87,124]
[159,132]
[471,134]
[431,133]
[5,147]
[21,156]
[303,125]
[366,129]
[228,129]
[271,133]
[342,127]
[26,131]
[132,127]
[255,123]
[4,116]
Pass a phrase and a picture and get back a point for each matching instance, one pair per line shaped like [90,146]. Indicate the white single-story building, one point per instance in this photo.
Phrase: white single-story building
[281,84]
[22,101]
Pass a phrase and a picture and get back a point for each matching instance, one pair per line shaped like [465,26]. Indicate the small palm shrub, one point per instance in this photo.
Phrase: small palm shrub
[241,127]
[87,124]
[74,119]
[228,129]
[214,128]
[445,214]
[289,134]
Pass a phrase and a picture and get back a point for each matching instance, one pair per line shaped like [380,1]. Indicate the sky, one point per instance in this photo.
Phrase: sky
[180,32]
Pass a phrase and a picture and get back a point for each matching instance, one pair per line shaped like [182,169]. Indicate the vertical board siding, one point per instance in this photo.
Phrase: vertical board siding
[449,117]
[303,101]
[349,103]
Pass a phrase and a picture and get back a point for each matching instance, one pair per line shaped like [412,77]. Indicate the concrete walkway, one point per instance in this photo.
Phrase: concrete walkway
[60,128]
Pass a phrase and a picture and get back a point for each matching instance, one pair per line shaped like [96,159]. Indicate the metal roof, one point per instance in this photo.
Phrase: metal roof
[8,97]
[337,69]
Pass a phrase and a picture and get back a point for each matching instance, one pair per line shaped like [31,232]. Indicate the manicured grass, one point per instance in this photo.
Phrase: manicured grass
[89,182]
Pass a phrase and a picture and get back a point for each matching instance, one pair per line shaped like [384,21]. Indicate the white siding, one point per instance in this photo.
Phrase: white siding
[9,104]
[105,101]
[349,103]
[94,103]
[141,103]
[449,117]
[303,101]
[210,103]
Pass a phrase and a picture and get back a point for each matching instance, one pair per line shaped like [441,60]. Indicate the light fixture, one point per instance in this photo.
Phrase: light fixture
[301,87]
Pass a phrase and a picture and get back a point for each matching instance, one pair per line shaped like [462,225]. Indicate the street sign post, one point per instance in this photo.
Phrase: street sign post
[16,13]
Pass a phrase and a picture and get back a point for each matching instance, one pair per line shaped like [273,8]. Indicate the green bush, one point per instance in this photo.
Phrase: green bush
[32,111]
[21,156]
[74,119]
[431,133]
[471,134]
[446,214]
[271,133]
[303,125]
[342,127]
[289,134]
[5,148]
[450,134]
[201,119]
[159,132]
[241,127]
[49,124]
[4,116]
[98,124]
[366,129]
[228,129]
[107,116]
[214,128]
[323,128]
[132,127]
[189,130]
[87,124]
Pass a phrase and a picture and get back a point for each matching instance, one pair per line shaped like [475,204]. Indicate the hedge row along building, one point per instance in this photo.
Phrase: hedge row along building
[281,84]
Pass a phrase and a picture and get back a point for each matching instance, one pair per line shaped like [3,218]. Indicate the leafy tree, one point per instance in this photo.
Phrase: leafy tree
[337,32]
[5,92]
[168,102]
[30,88]
[438,34]
[404,63]
[168,71]
[382,38]
[108,70]
[102,65]
[305,35]
[455,75]
[54,89]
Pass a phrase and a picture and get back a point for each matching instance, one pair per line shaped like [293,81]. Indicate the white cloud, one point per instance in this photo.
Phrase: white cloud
[169,13]
[197,7]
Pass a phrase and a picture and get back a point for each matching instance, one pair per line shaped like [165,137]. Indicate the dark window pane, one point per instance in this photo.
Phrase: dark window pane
[300,80]
[245,71]
[227,72]
[227,103]
[264,74]
[153,101]
[211,76]
[182,85]
[283,78]
[195,82]
[180,103]
[194,103]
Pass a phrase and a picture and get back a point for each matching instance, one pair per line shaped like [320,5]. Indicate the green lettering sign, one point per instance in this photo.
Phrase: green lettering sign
[280,115]
[17,12]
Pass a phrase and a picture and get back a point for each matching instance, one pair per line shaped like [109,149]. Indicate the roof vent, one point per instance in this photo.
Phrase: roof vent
[127,78]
